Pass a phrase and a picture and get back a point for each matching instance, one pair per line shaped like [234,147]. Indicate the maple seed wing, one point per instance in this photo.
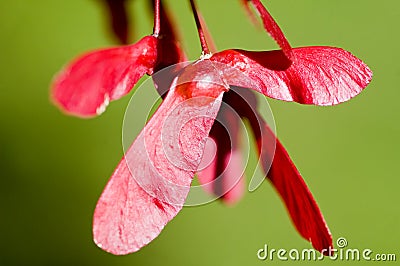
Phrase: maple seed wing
[317,75]
[150,185]
[85,86]
[224,175]
[286,179]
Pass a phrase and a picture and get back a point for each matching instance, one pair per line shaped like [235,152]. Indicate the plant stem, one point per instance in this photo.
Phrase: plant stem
[203,42]
[157,26]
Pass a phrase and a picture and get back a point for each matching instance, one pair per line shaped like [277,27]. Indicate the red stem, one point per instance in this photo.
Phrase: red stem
[157,26]
[203,42]
[273,29]
[207,34]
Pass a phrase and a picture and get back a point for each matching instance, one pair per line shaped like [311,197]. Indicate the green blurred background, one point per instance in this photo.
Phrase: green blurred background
[54,167]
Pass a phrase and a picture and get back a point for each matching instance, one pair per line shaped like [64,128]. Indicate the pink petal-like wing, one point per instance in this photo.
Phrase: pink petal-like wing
[283,174]
[299,201]
[318,75]
[233,182]
[85,86]
[151,183]
[224,176]
[287,180]
[273,29]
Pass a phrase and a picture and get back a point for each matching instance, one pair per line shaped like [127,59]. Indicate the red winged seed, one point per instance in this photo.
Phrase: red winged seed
[318,75]
[86,86]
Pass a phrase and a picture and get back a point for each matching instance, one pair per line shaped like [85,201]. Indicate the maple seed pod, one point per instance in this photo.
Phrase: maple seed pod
[201,80]
[200,90]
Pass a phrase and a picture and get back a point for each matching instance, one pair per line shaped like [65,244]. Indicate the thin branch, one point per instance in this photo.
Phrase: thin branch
[203,42]
[157,26]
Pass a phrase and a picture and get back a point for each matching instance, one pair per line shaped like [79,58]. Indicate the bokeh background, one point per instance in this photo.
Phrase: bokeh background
[54,167]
